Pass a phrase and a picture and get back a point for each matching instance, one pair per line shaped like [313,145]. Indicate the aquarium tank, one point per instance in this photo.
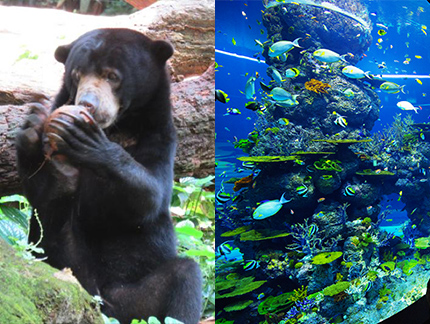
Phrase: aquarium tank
[322,160]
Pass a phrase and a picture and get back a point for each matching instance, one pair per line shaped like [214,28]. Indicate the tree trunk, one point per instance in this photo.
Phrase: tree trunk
[29,73]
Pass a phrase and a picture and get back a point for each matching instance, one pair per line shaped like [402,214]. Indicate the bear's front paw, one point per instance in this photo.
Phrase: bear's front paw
[78,136]
[30,136]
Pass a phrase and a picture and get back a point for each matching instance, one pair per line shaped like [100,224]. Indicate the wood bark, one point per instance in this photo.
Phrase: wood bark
[29,73]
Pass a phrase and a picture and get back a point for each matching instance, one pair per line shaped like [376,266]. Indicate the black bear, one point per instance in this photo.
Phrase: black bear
[110,221]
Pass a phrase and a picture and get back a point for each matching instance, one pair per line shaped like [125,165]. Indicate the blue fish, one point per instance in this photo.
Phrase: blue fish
[250,88]
[269,208]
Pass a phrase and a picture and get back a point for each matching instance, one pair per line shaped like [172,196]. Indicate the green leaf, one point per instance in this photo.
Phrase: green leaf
[190,231]
[15,215]
[169,320]
[153,320]
[10,231]
[208,254]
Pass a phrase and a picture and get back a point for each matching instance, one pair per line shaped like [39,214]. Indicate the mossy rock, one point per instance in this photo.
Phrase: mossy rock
[343,141]
[407,266]
[266,158]
[238,306]
[34,292]
[261,235]
[336,288]
[326,257]
[236,231]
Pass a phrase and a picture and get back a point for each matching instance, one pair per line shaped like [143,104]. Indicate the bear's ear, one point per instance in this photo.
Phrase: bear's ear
[62,52]
[162,50]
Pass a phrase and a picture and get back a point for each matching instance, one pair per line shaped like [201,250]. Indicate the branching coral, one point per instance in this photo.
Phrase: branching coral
[317,86]
[328,165]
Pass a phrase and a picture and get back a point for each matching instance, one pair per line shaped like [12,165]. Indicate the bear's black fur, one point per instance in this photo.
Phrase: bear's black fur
[113,228]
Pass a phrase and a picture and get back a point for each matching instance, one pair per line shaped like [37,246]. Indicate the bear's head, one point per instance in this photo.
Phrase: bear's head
[114,72]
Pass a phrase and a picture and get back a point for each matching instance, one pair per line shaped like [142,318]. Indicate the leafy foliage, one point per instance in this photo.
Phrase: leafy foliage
[193,209]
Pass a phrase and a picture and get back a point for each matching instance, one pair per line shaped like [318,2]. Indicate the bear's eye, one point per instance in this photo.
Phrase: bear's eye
[113,77]
[76,75]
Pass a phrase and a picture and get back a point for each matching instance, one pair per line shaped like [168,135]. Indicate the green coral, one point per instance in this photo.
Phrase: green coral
[236,231]
[238,306]
[326,257]
[369,172]
[299,294]
[336,288]
[422,242]
[267,158]
[328,165]
[253,235]
[245,145]
[388,266]
[342,141]
[275,304]
[384,291]
[240,286]
[407,266]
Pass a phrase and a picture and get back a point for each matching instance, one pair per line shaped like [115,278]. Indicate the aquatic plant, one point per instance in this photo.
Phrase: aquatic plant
[422,242]
[317,86]
[328,165]
[369,172]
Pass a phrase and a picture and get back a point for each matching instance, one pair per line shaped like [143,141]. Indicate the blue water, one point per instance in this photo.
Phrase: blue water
[405,51]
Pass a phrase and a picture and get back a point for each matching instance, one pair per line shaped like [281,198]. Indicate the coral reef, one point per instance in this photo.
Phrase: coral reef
[317,86]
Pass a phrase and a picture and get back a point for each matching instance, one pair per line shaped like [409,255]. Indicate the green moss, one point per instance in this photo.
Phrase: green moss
[299,294]
[261,235]
[223,321]
[31,292]
[336,288]
[266,158]
[245,145]
[388,266]
[326,257]
[238,306]
[275,304]
[372,275]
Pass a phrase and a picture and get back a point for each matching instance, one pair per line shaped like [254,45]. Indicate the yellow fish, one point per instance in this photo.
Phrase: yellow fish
[418,57]
[419,81]
[233,41]
[424,32]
